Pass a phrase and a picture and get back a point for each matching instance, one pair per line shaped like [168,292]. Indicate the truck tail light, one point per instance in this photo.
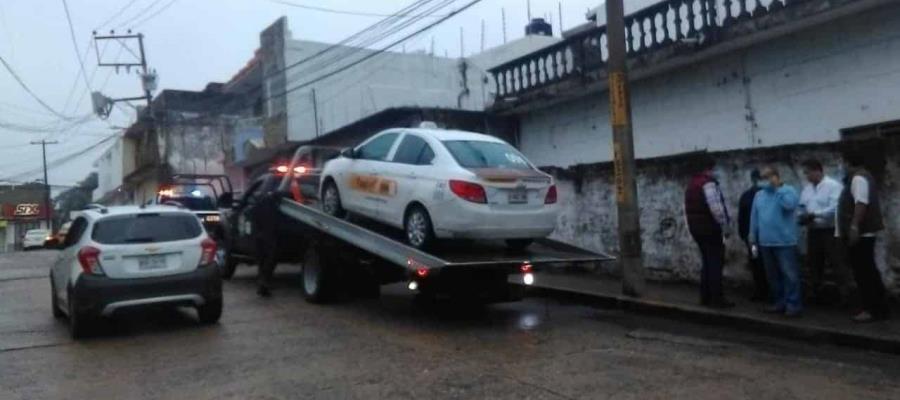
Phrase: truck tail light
[468,191]
[89,258]
[207,251]
[551,195]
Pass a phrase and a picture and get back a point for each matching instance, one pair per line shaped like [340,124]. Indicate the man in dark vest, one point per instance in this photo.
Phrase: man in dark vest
[858,222]
[754,262]
[708,222]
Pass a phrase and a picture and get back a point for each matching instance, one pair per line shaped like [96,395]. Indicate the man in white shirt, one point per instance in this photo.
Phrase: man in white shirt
[818,205]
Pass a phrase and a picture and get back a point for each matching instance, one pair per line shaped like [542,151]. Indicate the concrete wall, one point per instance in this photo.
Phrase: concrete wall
[110,169]
[388,80]
[802,88]
[588,217]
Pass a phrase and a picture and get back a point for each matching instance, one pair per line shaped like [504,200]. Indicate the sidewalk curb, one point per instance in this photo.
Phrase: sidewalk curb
[707,316]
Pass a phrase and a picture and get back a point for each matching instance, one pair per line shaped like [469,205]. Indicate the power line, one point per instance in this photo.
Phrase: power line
[343,12]
[29,91]
[346,41]
[75,44]
[139,14]
[157,12]
[116,15]
[375,53]
[62,160]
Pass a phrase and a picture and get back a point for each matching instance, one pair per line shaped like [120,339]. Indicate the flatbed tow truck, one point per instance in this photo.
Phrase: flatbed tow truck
[352,253]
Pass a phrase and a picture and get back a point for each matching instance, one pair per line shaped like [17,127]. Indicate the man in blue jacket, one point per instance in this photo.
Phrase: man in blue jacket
[773,229]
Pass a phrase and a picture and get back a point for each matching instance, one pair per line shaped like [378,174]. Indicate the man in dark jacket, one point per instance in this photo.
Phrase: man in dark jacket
[745,207]
[859,220]
[708,222]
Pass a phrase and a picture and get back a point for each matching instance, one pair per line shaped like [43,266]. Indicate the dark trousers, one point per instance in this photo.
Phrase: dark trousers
[820,253]
[868,278]
[760,282]
[712,252]
[267,259]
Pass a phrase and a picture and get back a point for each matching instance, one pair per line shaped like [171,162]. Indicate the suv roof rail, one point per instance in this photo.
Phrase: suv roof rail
[98,207]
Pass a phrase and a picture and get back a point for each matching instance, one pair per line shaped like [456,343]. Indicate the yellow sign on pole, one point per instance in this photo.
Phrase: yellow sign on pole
[618,112]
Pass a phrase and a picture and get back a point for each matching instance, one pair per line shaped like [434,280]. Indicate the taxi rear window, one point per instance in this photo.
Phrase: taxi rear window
[146,228]
[482,154]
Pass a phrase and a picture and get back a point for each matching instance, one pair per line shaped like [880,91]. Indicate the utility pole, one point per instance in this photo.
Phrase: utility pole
[315,111]
[47,207]
[623,152]
[103,104]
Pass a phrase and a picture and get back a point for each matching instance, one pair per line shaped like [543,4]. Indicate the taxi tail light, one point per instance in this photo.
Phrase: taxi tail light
[281,169]
[468,191]
[551,195]
[207,252]
[89,258]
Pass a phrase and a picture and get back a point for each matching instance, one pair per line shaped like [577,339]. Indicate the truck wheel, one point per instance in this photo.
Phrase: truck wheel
[229,264]
[519,244]
[54,301]
[210,312]
[331,200]
[317,282]
[419,231]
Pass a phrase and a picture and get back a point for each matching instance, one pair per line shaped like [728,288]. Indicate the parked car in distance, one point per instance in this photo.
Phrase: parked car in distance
[437,184]
[35,238]
[129,257]
[54,240]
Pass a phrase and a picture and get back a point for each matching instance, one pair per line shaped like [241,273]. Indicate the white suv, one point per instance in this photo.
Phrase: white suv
[125,257]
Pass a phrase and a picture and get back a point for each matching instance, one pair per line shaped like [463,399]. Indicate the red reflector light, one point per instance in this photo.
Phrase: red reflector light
[422,272]
[526,268]
[89,258]
[551,195]
[468,191]
[207,251]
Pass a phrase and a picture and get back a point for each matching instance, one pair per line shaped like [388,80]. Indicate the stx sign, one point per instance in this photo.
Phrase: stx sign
[27,210]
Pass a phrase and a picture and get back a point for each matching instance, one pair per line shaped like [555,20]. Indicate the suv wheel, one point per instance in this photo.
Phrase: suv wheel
[210,312]
[54,301]
[331,200]
[80,324]
[419,231]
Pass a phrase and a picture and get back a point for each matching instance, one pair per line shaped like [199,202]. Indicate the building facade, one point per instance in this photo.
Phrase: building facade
[751,83]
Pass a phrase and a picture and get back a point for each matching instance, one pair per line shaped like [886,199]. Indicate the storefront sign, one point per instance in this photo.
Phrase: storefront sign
[27,210]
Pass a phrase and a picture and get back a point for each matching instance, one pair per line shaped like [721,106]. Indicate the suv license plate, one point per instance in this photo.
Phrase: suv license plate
[146,263]
[518,196]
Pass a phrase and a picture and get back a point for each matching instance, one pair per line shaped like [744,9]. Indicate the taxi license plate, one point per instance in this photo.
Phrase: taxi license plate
[147,263]
[518,196]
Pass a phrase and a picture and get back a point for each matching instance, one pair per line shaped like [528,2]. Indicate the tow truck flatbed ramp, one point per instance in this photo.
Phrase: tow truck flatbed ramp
[483,254]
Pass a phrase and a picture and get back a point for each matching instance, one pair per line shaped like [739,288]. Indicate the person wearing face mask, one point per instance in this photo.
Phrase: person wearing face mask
[745,205]
[773,228]
[708,223]
[818,205]
[859,220]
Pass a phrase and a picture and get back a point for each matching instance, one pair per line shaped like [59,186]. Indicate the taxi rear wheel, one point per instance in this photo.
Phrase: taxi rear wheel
[419,231]
[331,200]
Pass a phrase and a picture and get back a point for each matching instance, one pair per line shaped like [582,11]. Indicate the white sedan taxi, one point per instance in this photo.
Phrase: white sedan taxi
[442,184]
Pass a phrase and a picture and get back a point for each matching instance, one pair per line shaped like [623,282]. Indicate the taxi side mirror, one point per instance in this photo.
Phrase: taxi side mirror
[348,153]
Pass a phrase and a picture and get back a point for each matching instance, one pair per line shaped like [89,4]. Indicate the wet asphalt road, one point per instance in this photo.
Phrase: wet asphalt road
[284,348]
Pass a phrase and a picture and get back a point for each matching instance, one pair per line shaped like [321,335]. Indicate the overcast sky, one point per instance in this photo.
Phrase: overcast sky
[189,43]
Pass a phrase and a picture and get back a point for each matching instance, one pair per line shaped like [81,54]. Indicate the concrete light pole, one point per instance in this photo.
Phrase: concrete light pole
[633,283]
[47,207]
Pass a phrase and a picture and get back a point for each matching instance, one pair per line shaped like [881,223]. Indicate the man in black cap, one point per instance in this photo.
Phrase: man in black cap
[745,206]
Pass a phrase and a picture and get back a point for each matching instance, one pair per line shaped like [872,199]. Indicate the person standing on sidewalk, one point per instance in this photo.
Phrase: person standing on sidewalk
[858,222]
[745,206]
[773,228]
[708,221]
[818,205]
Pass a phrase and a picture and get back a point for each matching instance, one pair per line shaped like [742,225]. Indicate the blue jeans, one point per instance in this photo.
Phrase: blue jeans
[783,273]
